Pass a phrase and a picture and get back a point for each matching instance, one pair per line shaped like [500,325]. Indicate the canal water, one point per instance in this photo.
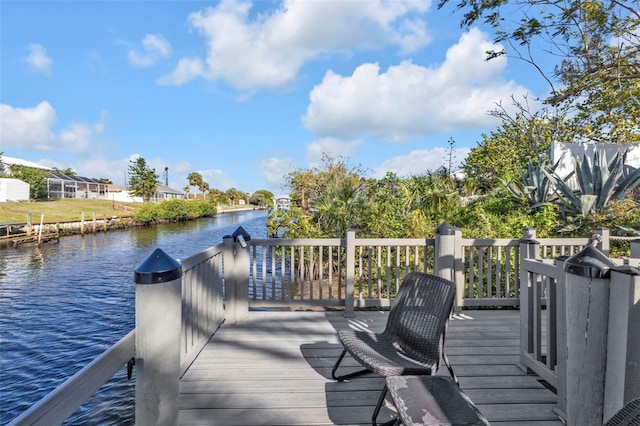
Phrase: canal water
[63,304]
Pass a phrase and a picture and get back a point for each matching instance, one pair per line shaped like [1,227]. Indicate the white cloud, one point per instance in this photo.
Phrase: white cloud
[269,49]
[187,70]
[409,100]
[332,147]
[31,128]
[76,137]
[274,171]
[418,162]
[37,60]
[218,179]
[24,128]
[154,47]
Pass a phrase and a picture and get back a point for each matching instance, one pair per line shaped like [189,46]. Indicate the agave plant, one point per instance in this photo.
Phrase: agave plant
[535,185]
[599,181]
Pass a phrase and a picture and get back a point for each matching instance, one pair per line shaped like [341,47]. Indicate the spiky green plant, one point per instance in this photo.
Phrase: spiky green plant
[535,185]
[599,181]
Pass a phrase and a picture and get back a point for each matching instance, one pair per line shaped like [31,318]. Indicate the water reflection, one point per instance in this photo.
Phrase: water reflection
[63,304]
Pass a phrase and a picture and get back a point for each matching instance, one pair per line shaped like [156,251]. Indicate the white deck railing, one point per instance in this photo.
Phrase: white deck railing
[544,327]
[222,282]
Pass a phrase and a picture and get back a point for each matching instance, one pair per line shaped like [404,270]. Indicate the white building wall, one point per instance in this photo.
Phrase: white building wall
[124,196]
[13,190]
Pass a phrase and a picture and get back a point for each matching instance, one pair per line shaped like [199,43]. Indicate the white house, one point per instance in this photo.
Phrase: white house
[13,190]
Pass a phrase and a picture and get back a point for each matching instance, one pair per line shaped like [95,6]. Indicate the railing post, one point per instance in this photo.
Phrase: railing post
[587,317]
[158,319]
[635,249]
[604,243]
[561,338]
[236,276]
[622,378]
[350,265]
[528,250]
[444,259]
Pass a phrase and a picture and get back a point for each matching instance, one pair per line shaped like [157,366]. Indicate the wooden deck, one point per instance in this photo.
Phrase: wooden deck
[275,369]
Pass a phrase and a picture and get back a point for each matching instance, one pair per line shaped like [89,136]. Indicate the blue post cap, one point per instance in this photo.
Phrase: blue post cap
[589,262]
[241,231]
[159,267]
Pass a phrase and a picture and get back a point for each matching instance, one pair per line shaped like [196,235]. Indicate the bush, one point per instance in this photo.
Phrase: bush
[173,211]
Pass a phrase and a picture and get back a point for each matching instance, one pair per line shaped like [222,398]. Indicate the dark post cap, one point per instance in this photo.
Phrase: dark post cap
[241,231]
[628,270]
[445,228]
[159,267]
[589,262]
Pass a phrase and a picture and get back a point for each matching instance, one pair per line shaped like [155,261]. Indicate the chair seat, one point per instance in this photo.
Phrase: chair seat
[379,354]
[432,400]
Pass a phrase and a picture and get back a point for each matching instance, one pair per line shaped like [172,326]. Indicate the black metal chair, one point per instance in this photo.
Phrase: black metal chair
[629,415]
[413,340]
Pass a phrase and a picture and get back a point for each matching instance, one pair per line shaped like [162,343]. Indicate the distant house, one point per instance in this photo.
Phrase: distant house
[7,162]
[165,193]
[121,194]
[59,185]
[283,203]
[65,186]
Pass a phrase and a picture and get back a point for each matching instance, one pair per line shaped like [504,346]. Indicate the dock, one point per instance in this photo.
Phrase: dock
[13,234]
[275,369]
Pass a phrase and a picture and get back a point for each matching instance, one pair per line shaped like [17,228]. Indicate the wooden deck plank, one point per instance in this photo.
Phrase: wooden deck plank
[275,370]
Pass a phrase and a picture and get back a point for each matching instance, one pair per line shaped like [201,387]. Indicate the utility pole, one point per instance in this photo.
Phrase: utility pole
[166,176]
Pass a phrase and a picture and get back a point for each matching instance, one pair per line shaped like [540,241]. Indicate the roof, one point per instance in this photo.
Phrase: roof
[115,188]
[166,190]
[20,162]
[72,178]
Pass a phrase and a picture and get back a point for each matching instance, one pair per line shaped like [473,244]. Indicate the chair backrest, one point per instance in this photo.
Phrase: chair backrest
[419,315]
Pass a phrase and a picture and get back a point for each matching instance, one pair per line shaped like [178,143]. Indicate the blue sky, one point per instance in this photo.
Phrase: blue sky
[244,92]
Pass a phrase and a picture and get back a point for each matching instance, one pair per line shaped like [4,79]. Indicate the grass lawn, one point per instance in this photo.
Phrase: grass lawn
[59,210]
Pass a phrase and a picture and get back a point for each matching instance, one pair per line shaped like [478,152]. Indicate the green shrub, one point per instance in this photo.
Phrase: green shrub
[173,211]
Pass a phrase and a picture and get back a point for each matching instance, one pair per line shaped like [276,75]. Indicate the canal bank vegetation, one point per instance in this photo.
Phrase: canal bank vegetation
[328,200]
[173,211]
[77,210]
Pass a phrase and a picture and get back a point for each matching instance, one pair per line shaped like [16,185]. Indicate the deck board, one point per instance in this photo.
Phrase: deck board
[275,370]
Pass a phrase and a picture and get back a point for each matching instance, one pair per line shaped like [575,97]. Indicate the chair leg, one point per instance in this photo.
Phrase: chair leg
[346,376]
[453,375]
[392,422]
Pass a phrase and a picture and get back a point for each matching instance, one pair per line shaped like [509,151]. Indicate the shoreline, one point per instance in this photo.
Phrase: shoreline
[55,230]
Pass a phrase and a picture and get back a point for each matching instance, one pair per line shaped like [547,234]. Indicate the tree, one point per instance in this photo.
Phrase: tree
[66,172]
[36,178]
[262,198]
[102,180]
[234,195]
[308,184]
[339,208]
[203,187]
[501,154]
[195,179]
[433,194]
[218,197]
[596,43]
[143,180]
